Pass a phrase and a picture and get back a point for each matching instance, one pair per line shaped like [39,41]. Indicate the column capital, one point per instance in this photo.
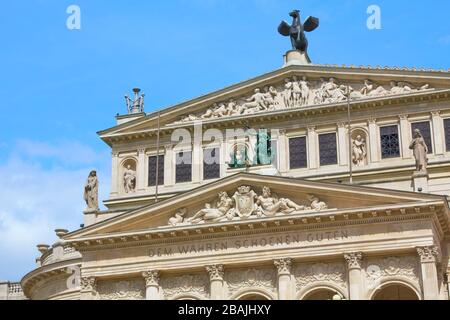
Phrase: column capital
[151,278]
[215,271]
[372,120]
[168,146]
[311,129]
[428,254]
[403,116]
[282,132]
[88,284]
[141,150]
[354,260]
[342,125]
[115,153]
[436,113]
[284,266]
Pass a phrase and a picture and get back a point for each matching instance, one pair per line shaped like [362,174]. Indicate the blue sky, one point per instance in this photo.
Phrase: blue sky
[59,86]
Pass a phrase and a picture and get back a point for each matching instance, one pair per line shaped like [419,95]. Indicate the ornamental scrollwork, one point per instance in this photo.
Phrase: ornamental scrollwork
[215,272]
[333,272]
[264,278]
[122,290]
[428,254]
[173,286]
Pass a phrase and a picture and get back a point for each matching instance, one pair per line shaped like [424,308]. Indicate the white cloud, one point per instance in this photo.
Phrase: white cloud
[37,198]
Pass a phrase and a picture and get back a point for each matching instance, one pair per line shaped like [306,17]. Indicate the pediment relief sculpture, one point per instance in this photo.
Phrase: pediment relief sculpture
[246,204]
[300,92]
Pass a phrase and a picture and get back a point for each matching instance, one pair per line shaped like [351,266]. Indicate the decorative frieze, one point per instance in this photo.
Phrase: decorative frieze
[173,286]
[121,290]
[239,279]
[379,268]
[332,272]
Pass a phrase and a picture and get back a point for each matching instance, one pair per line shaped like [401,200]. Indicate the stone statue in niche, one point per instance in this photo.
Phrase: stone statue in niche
[419,146]
[271,205]
[129,180]
[316,204]
[178,218]
[359,151]
[91,192]
[209,214]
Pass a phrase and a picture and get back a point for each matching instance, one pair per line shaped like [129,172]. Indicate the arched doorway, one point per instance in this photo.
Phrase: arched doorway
[323,294]
[253,297]
[395,291]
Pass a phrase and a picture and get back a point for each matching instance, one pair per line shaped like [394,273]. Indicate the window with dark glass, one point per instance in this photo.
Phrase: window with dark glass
[211,164]
[447,133]
[183,167]
[390,143]
[298,157]
[425,129]
[152,170]
[328,149]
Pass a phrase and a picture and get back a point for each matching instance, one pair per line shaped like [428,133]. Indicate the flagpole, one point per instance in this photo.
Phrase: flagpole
[349,120]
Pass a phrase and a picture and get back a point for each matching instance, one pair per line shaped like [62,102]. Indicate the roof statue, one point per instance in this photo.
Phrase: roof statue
[297,30]
[137,104]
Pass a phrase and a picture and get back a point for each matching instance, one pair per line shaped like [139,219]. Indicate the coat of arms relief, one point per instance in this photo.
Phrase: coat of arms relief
[246,204]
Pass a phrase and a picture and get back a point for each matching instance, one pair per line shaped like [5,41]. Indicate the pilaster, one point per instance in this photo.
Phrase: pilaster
[354,261]
[152,285]
[169,166]
[216,273]
[285,285]
[141,170]
[438,133]
[374,141]
[405,136]
[430,284]
[115,174]
[313,150]
[343,146]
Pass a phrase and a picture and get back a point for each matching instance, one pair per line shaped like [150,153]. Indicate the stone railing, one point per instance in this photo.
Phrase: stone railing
[60,253]
[11,291]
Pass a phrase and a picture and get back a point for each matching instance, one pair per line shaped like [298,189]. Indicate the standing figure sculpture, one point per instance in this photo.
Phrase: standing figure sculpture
[296,31]
[91,192]
[129,180]
[359,151]
[420,149]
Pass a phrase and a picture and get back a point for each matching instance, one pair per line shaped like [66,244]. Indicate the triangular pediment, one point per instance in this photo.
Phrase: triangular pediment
[240,199]
[286,89]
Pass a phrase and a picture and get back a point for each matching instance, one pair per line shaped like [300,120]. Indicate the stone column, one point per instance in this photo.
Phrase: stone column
[374,141]
[313,150]
[285,287]
[169,166]
[283,147]
[216,274]
[438,133]
[405,136]
[141,170]
[151,285]
[428,259]
[115,174]
[354,260]
[197,153]
[343,144]
[88,288]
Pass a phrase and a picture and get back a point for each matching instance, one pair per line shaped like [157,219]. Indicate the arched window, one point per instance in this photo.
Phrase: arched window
[395,292]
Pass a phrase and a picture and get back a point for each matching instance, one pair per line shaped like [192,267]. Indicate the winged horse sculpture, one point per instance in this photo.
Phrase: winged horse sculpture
[297,30]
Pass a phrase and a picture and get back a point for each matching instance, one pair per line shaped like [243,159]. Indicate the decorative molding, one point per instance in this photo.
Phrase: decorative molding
[403,117]
[284,266]
[186,284]
[121,290]
[372,120]
[428,254]
[216,272]
[381,268]
[141,150]
[333,272]
[342,125]
[151,278]
[436,113]
[354,260]
[240,279]
[311,129]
